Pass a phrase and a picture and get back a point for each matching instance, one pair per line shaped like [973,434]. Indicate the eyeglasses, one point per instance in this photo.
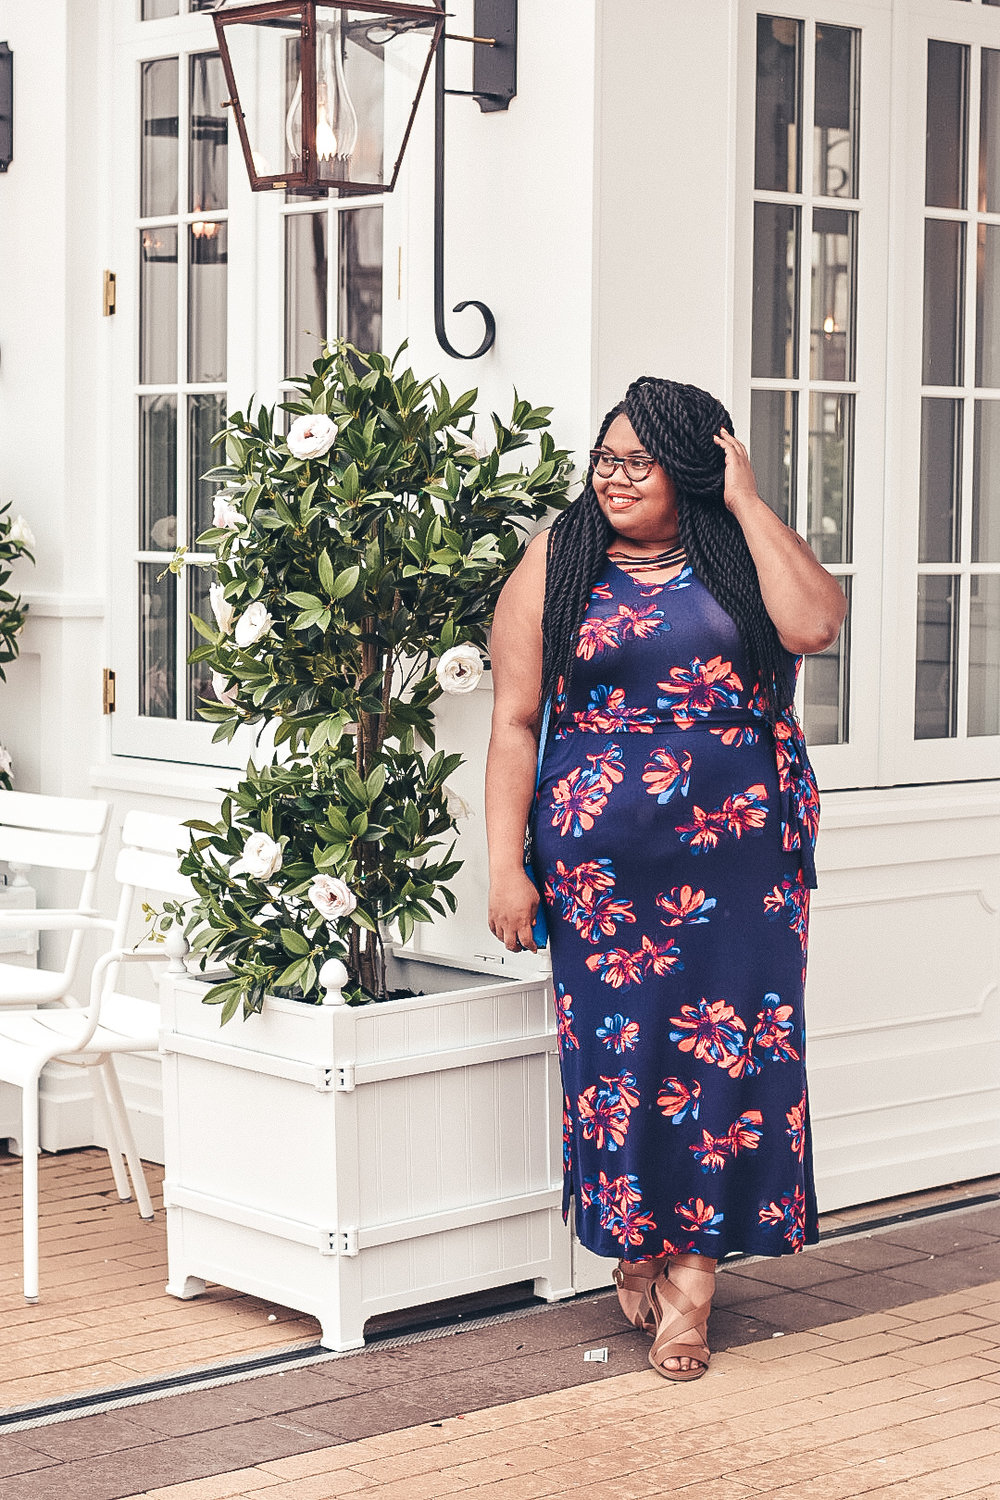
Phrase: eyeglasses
[637,469]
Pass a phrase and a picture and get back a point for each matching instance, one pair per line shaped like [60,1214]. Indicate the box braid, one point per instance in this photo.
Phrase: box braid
[675,424]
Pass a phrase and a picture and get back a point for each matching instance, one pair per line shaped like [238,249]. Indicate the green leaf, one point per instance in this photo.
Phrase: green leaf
[293,942]
[326,574]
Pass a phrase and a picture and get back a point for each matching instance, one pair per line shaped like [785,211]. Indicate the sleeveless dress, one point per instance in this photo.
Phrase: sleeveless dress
[673,835]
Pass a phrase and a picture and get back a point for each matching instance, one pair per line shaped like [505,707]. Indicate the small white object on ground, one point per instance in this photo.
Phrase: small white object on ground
[598,1356]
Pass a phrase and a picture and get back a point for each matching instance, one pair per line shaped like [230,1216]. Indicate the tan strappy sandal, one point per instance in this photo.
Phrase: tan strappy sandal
[676,1314]
[631,1277]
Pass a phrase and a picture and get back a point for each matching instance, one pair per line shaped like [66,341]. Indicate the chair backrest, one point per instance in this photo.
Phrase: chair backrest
[147,861]
[62,833]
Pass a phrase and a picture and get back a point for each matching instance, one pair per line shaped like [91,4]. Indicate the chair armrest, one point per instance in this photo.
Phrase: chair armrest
[52,920]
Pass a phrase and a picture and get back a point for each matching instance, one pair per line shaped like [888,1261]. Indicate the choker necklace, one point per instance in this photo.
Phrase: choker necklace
[666,559]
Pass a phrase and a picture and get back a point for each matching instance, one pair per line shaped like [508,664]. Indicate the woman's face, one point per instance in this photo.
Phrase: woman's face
[643,510]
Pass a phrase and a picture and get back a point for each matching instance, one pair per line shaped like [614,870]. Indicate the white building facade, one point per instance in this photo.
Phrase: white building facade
[795,205]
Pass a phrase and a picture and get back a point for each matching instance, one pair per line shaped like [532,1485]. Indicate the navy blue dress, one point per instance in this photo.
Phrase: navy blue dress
[673,840]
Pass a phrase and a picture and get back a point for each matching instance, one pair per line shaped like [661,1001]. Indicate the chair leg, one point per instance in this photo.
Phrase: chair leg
[115,1148]
[123,1131]
[29,1189]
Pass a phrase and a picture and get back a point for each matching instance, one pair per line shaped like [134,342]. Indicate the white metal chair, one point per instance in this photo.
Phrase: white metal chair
[90,1036]
[54,833]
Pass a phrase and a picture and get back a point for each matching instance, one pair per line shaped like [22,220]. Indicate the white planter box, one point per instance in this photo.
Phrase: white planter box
[347,1161]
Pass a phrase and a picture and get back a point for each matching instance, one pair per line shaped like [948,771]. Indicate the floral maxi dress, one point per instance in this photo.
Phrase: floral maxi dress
[673,839]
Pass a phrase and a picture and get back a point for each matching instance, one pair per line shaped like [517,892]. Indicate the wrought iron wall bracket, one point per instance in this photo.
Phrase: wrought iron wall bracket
[497,21]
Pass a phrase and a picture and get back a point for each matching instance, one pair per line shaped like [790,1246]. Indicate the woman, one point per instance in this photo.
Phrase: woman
[664,615]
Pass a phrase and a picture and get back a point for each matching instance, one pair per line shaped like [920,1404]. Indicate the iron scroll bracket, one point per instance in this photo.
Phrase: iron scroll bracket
[494,92]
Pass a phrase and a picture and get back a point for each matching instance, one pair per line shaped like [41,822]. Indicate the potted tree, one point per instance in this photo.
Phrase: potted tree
[358,562]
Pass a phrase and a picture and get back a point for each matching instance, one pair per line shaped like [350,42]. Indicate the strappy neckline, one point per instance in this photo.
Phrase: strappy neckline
[649,583]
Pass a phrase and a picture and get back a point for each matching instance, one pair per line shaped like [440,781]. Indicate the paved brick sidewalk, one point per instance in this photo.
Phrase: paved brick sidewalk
[903,1404]
[869,1365]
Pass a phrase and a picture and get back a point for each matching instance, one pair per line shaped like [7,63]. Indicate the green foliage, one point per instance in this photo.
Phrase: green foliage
[359,567]
[15,541]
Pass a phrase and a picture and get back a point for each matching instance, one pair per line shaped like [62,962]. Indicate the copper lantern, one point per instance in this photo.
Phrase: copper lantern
[324,93]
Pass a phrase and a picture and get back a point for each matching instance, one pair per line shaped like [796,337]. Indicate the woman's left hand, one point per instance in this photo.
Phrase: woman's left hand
[741,486]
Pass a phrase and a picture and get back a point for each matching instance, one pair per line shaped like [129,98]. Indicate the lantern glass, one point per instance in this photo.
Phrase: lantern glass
[327,90]
[265,57]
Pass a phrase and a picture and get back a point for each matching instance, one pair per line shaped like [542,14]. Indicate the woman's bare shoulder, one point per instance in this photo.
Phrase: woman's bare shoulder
[524,591]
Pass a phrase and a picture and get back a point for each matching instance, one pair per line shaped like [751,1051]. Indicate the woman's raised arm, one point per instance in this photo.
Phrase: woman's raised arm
[805,602]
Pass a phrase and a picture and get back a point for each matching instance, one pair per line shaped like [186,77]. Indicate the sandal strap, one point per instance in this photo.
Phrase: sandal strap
[636,1276]
[691,1317]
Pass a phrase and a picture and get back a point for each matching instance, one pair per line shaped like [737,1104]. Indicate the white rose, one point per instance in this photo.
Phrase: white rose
[459,669]
[221,608]
[252,624]
[6,764]
[456,803]
[261,856]
[223,691]
[331,897]
[225,514]
[468,445]
[311,436]
[21,532]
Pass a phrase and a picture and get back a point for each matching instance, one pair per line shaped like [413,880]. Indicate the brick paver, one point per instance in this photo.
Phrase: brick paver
[826,1414]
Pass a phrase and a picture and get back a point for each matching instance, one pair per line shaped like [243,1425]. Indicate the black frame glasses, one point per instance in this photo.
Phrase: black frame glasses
[637,469]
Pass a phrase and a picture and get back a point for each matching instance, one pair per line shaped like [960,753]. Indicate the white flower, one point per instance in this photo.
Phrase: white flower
[457,805]
[331,897]
[466,444]
[459,669]
[261,856]
[221,608]
[222,689]
[6,764]
[252,624]
[311,436]
[21,532]
[225,514]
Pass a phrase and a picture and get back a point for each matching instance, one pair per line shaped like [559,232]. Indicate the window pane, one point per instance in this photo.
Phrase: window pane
[208,146]
[831,476]
[199,676]
[206,416]
[779,93]
[157,473]
[988,306]
[940,480]
[155,10]
[159,137]
[775,281]
[305,290]
[207,302]
[833,294]
[944,297]
[158,306]
[947,117]
[825,684]
[989,133]
[157,642]
[937,658]
[984,654]
[773,449]
[986,483]
[360,302]
[835,123]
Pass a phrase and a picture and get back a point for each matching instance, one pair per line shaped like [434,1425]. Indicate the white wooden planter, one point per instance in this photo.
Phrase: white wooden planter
[347,1161]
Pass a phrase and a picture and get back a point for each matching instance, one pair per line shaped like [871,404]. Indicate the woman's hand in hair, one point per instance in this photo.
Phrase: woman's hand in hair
[806,603]
[741,486]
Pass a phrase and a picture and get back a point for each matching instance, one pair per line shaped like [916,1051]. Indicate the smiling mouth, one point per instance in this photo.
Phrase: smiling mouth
[622,502]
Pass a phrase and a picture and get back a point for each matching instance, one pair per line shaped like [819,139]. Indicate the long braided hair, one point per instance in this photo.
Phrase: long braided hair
[675,424]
